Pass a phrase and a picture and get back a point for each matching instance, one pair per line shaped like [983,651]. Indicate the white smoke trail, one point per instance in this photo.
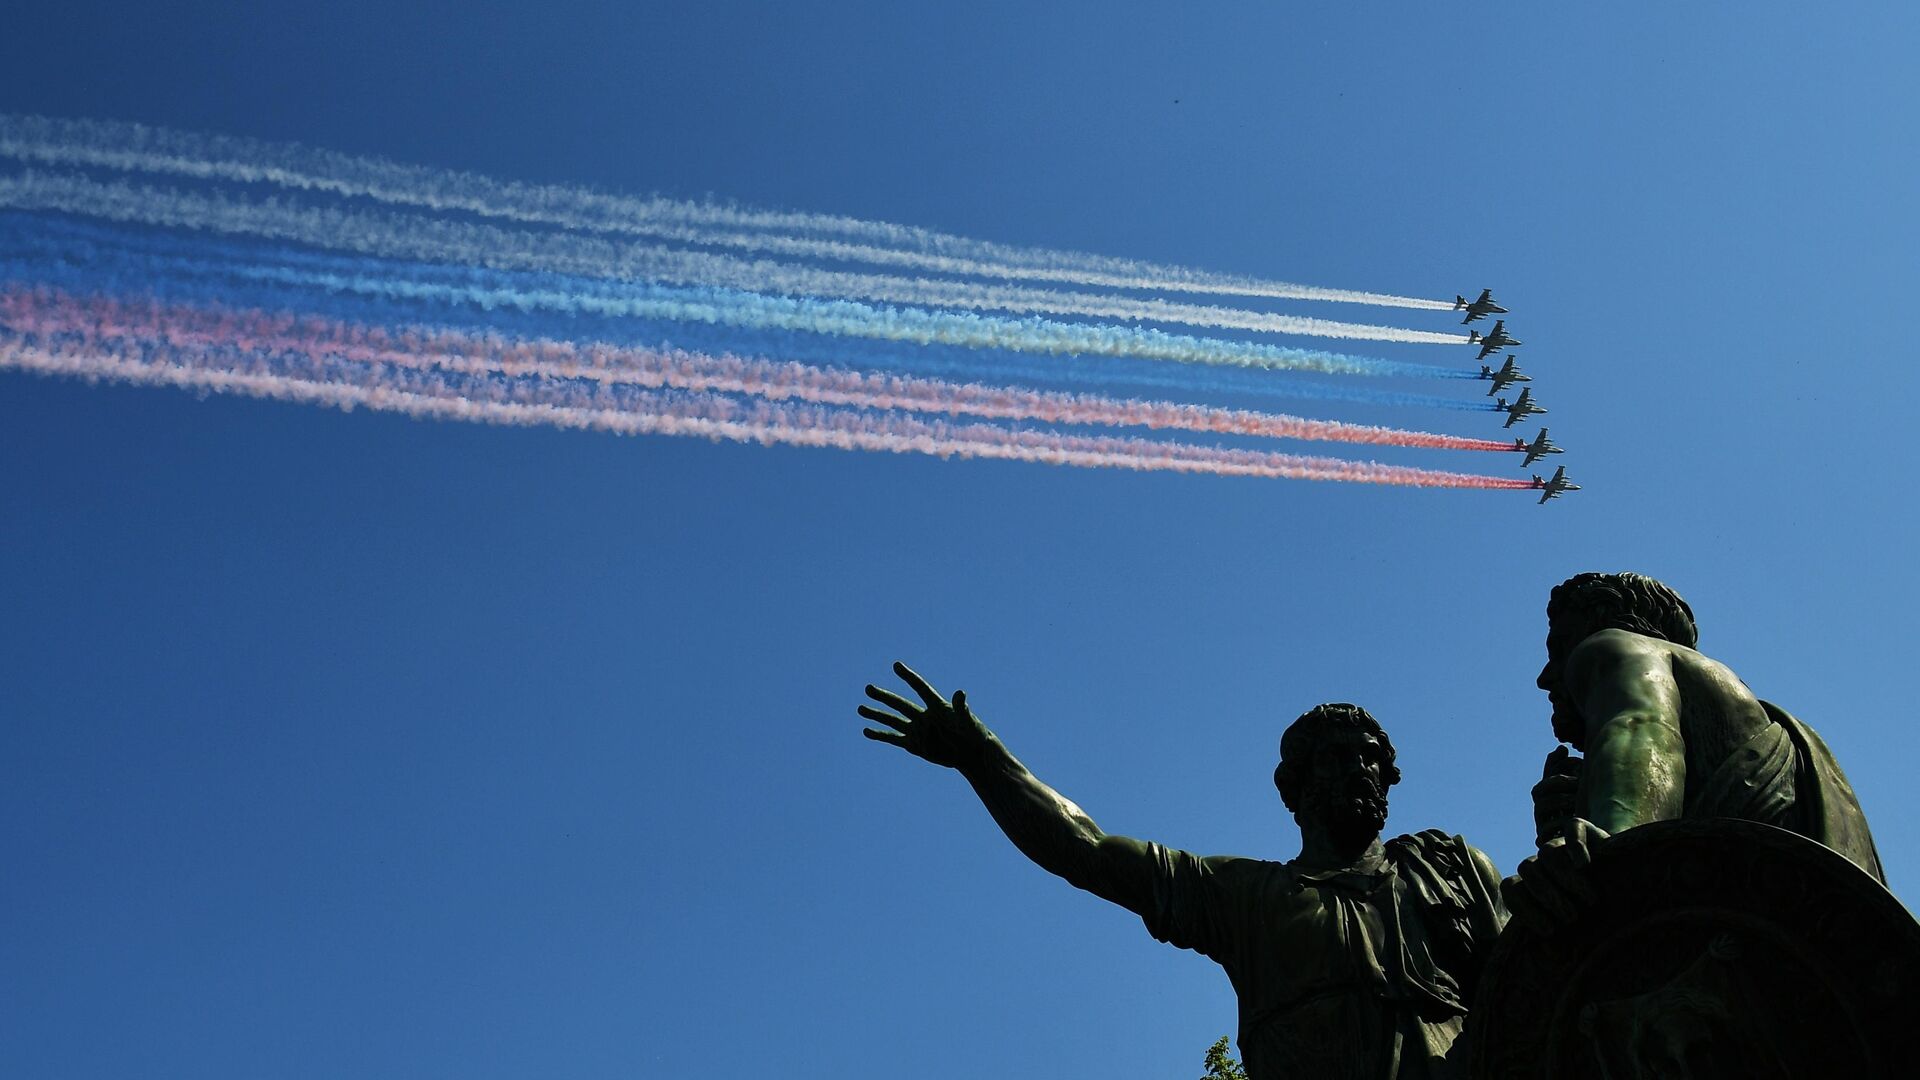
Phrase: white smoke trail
[493,290]
[410,236]
[132,147]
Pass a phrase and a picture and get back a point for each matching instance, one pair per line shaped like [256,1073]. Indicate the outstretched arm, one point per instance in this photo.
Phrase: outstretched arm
[1045,825]
[1635,768]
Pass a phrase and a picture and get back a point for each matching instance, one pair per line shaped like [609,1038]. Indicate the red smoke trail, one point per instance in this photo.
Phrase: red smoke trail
[483,354]
[53,346]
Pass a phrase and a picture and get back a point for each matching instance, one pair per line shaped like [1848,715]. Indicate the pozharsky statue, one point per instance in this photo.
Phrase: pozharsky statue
[1667,733]
[1706,901]
[1355,959]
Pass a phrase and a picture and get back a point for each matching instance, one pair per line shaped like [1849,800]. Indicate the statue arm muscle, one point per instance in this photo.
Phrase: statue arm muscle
[1046,826]
[1058,836]
[1635,755]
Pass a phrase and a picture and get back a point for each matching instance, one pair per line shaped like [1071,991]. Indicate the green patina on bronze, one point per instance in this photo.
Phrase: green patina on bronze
[1359,958]
[1706,901]
[1668,733]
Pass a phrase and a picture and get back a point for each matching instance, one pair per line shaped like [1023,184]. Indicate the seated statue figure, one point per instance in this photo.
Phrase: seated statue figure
[1667,732]
[1356,959]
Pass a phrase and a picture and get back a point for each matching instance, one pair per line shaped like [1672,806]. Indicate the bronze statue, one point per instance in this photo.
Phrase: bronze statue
[1356,959]
[1667,733]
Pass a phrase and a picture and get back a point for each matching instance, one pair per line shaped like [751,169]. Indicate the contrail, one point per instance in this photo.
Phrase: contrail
[44,253]
[46,312]
[79,354]
[488,289]
[133,147]
[821,351]
[411,236]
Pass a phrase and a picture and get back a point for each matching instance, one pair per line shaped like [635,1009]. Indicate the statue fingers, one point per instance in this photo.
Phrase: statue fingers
[1584,835]
[894,701]
[1575,851]
[893,737]
[1557,786]
[920,686]
[1549,825]
[1587,834]
[1561,762]
[898,723]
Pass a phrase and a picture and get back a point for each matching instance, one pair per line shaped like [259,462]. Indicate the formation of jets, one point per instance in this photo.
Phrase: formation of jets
[1507,374]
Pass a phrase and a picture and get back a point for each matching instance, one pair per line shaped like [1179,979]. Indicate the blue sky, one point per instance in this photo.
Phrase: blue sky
[351,745]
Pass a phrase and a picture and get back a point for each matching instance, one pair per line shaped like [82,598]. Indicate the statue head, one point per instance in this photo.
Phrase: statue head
[1336,764]
[1584,605]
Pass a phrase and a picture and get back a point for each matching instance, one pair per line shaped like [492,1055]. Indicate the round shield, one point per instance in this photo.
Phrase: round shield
[1716,948]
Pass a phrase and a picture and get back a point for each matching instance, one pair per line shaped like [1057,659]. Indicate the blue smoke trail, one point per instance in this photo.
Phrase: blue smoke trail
[495,290]
[79,264]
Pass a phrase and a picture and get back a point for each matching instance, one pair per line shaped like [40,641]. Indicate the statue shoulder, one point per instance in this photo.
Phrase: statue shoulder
[1610,654]
[1603,646]
[1230,869]
[1447,853]
[1456,884]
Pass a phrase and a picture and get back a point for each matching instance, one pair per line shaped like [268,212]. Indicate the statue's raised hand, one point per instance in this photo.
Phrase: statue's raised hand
[943,732]
[1556,798]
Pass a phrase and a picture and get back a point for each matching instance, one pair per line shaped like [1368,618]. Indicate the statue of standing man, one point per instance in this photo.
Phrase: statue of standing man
[1357,959]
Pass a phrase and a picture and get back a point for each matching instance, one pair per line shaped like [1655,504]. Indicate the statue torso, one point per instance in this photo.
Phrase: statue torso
[1340,973]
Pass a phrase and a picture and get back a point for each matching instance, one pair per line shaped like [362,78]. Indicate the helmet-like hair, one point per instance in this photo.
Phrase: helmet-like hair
[1632,602]
[1297,743]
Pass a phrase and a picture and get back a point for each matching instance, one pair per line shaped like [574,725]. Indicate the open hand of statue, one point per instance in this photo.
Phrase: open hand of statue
[943,732]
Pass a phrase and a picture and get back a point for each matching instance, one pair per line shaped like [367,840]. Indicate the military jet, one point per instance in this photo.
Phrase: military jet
[1555,486]
[1507,375]
[1539,448]
[1478,309]
[1493,340]
[1522,407]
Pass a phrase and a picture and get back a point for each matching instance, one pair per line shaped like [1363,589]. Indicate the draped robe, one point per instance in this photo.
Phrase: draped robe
[1357,973]
[1786,776]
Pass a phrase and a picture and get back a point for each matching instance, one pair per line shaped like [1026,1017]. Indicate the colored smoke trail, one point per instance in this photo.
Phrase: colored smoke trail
[408,236]
[85,355]
[815,349]
[462,297]
[45,313]
[132,147]
[489,289]
[86,257]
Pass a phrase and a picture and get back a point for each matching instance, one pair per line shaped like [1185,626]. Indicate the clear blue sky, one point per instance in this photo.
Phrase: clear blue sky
[347,745]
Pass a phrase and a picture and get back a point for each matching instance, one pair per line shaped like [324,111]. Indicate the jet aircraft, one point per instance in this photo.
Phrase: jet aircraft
[1507,374]
[1539,448]
[1478,309]
[1552,488]
[1522,407]
[1493,340]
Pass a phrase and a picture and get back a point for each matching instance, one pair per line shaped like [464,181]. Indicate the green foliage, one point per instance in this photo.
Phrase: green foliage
[1221,1065]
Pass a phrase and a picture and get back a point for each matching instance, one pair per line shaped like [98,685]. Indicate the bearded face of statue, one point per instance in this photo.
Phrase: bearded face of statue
[1344,784]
